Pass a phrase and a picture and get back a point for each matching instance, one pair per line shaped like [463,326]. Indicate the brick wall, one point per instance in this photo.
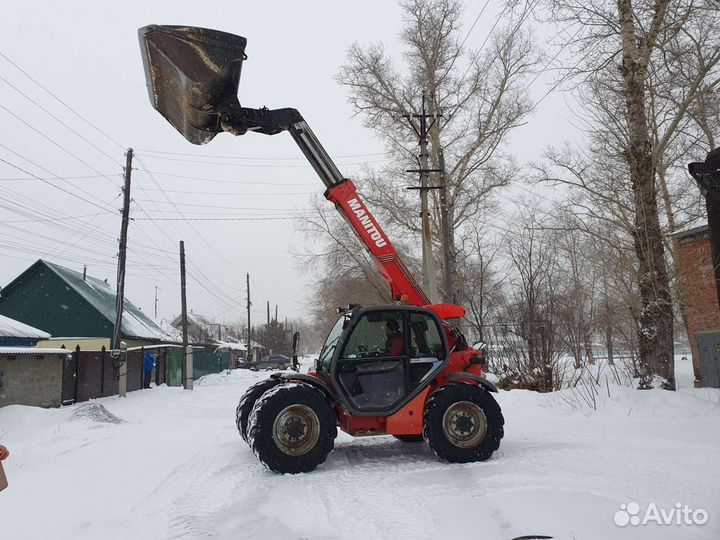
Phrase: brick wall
[30,379]
[697,288]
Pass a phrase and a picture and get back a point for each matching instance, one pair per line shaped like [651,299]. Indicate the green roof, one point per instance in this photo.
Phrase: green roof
[97,293]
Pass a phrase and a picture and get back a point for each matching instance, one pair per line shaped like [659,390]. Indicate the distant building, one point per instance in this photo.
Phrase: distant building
[700,300]
[200,329]
[75,309]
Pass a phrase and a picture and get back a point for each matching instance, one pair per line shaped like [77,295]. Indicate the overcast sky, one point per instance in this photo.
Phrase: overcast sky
[87,55]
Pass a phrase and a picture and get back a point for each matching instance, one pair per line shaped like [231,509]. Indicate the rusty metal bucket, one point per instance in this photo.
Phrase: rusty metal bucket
[192,76]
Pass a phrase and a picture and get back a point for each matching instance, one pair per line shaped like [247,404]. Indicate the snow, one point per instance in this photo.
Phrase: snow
[12,328]
[169,463]
[231,345]
[32,350]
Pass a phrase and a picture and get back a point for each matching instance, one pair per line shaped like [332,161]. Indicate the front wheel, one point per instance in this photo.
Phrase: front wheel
[292,428]
[247,402]
[463,423]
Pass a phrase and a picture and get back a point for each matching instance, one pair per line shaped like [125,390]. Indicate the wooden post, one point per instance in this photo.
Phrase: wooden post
[102,371]
[249,303]
[77,372]
[183,299]
[188,382]
[122,253]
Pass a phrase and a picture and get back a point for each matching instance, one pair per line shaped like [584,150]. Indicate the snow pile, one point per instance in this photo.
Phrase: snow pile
[95,412]
[177,468]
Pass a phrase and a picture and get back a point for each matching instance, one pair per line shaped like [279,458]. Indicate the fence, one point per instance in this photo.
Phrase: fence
[90,374]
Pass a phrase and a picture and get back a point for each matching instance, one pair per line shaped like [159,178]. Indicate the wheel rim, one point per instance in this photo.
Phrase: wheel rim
[296,430]
[464,424]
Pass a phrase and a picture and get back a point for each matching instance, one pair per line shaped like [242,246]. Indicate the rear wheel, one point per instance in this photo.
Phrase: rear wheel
[409,438]
[463,423]
[292,428]
[251,395]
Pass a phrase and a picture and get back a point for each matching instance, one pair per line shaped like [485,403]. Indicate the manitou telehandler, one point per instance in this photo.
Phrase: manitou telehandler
[400,369]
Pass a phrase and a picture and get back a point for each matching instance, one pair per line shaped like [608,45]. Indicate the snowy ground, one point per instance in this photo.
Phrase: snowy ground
[174,466]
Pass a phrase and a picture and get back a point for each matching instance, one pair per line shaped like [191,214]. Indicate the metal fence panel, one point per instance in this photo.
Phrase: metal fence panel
[708,344]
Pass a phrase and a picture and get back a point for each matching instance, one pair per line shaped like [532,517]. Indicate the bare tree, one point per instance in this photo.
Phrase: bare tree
[482,99]
[631,55]
[343,270]
[527,334]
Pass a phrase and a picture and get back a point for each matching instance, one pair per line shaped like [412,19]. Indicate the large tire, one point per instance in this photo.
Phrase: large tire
[463,423]
[409,438]
[292,428]
[251,395]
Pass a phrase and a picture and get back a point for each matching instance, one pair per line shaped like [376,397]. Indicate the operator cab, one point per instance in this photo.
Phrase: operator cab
[379,358]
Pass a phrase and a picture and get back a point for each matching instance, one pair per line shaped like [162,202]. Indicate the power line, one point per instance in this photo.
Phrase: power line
[50,183]
[61,147]
[296,158]
[206,162]
[222,219]
[144,169]
[234,193]
[58,120]
[53,220]
[235,181]
[93,126]
[25,179]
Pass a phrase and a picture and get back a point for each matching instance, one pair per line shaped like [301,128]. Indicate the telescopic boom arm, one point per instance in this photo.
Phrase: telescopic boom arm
[192,76]
[339,190]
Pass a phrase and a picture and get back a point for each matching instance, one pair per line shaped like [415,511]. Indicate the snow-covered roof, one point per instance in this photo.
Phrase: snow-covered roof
[233,346]
[12,328]
[32,350]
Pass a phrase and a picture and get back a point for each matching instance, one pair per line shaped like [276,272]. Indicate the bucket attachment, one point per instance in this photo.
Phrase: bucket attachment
[192,76]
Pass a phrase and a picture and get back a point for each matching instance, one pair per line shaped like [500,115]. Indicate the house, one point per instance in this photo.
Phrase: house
[16,334]
[75,308]
[200,329]
[700,300]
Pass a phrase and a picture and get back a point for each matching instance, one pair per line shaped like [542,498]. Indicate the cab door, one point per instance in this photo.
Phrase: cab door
[371,367]
[386,356]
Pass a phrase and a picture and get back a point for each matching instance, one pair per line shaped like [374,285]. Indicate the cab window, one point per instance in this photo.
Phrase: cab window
[377,335]
[426,347]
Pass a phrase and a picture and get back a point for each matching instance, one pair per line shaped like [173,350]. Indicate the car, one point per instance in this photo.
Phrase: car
[269,361]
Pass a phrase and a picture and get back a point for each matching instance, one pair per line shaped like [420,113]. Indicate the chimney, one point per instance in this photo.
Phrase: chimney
[84,271]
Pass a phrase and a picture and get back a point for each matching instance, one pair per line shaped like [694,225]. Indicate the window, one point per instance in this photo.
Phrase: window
[377,334]
[426,347]
[331,342]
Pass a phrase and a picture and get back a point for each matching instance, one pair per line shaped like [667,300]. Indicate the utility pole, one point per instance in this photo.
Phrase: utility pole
[445,229]
[183,300]
[429,281]
[268,312]
[156,299]
[249,303]
[122,254]
[276,313]
[120,285]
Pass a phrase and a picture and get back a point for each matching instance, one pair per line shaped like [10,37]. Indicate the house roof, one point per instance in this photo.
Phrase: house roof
[135,324]
[12,328]
[687,233]
[32,350]
[193,319]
